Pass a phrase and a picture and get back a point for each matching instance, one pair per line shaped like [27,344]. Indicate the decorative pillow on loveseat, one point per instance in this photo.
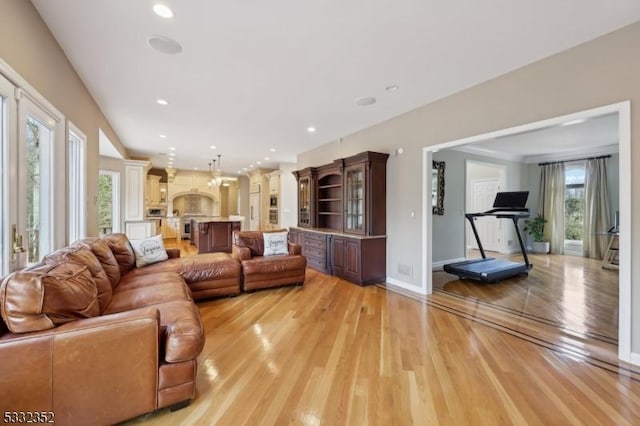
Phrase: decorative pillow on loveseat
[148,251]
[275,243]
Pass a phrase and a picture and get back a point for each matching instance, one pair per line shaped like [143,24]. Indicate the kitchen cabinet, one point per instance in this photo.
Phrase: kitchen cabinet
[171,228]
[153,189]
[210,234]
[134,194]
[138,230]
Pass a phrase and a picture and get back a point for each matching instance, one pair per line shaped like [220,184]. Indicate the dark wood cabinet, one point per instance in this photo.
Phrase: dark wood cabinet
[306,197]
[342,210]
[348,195]
[314,248]
[295,236]
[213,236]
[361,261]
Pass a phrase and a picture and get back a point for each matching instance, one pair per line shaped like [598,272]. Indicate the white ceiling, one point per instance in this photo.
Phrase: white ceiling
[253,75]
[593,136]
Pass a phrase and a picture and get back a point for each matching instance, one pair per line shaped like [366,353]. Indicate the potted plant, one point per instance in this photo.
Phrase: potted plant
[535,228]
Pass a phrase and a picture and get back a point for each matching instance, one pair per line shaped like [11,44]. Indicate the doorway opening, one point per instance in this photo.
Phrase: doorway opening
[622,113]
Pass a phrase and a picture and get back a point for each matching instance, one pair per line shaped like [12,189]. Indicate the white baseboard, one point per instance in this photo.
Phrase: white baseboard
[405,286]
[437,266]
[634,358]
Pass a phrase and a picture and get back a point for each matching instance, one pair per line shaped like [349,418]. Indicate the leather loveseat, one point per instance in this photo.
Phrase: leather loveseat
[92,339]
[259,271]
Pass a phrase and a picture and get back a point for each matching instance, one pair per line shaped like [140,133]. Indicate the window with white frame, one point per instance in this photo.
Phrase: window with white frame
[76,163]
[108,202]
[33,190]
[574,207]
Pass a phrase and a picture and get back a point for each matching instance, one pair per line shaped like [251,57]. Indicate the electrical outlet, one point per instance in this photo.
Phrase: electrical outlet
[405,269]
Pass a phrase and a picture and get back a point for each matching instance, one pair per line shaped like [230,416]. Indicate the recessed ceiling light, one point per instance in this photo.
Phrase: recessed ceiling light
[172,154]
[162,102]
[365,101]
[572,122]
[172,148]
[272,150]
[162,11]
[239,171]
[163,136]
[195,168]
[212,147]
[311,129]
[392,88]
[267,158]
[244,168]
[258,162]
[164,45]
[251,165]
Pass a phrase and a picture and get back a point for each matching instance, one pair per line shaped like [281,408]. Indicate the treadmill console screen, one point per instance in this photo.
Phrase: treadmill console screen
[511,200]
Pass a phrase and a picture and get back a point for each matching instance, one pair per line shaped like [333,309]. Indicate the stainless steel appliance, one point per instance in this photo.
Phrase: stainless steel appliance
[185,224]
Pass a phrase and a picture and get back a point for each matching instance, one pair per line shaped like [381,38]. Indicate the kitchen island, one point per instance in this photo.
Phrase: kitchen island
[213,234]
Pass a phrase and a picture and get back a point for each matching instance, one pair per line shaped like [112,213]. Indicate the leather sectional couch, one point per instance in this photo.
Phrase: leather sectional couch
[92,339]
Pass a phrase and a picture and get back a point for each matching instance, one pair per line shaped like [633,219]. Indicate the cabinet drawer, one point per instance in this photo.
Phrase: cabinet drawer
[315,237]
[317,264]
[311,252]
[315,244]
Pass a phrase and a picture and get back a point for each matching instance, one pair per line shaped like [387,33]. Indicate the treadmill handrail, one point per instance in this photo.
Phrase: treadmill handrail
[501,213]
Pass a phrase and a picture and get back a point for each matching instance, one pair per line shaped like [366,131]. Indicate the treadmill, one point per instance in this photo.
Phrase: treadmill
[507,205]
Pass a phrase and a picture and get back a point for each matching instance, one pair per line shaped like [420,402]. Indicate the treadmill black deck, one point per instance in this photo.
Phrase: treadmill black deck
[486,270]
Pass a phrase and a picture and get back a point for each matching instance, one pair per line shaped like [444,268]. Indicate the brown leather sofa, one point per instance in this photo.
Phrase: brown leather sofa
[259,271]
[91,338]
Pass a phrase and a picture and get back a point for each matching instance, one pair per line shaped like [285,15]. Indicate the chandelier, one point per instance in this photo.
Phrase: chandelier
[216,174]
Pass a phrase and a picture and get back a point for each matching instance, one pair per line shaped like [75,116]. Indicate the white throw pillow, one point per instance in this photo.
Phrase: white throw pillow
[148,251]
[275,243]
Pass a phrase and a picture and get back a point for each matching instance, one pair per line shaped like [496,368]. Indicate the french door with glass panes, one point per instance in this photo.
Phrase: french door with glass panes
[33,194]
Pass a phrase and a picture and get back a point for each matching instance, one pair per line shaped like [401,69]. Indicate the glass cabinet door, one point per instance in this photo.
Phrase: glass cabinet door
[354,200]
[304,201]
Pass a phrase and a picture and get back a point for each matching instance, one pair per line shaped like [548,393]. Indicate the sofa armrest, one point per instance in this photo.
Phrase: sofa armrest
[89,365]
[173,253]
[295,249]
[241,253]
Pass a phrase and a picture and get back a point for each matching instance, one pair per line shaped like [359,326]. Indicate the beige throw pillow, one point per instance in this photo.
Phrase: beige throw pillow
[275,243]
[148,251]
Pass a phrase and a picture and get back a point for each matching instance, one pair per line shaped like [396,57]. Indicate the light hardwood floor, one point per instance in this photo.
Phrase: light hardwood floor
[331,352]
[570,291]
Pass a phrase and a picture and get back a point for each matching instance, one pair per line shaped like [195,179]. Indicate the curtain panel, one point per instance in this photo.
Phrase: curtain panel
[596,208]
[552,204]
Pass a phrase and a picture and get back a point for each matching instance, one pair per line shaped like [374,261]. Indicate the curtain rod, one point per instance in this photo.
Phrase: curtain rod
[575,159]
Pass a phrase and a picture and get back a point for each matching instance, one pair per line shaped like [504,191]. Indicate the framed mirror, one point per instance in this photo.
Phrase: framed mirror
[437,187]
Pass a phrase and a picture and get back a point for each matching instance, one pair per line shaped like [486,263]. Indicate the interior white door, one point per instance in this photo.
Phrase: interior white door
[254,211]
[489,228]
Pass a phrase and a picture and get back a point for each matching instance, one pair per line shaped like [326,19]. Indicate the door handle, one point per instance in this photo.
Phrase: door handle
[17,240]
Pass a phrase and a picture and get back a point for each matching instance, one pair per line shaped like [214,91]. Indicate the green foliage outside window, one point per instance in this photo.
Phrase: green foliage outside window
[105,200]
[574,208]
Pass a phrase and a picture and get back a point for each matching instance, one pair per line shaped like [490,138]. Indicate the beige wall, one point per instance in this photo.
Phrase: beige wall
[29,48]
[601,72]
